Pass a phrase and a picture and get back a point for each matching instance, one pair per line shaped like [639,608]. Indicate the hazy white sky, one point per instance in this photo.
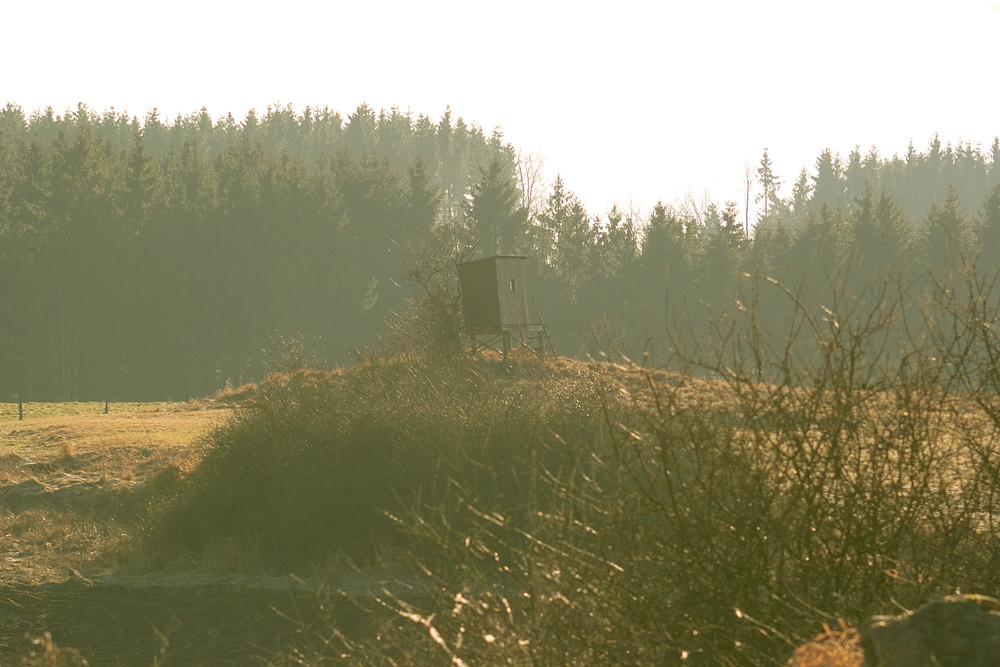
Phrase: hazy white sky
[632,101]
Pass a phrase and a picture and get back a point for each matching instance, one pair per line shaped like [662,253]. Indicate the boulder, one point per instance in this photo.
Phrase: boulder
[955,631]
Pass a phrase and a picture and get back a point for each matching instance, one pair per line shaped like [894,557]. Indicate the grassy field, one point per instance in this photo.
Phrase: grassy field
[137,436]
[482,512]
[75,484]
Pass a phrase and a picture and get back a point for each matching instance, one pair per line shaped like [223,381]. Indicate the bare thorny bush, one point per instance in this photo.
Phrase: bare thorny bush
[430,322]
[845,464]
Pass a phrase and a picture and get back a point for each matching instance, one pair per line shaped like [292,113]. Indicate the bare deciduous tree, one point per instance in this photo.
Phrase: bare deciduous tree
[530,182]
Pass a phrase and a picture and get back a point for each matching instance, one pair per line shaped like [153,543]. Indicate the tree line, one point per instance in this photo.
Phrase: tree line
[153,259]
[147,259]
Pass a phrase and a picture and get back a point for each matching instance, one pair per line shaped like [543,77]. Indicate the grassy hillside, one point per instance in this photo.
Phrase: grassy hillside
[561,511]
[313,461]
[554,511]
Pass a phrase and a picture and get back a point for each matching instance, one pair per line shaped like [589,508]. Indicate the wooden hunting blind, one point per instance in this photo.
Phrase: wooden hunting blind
[495,304]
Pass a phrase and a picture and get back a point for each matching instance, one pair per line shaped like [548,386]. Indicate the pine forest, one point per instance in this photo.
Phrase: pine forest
[154,259]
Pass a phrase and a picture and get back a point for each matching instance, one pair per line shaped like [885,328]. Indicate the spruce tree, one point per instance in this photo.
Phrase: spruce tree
[493,211]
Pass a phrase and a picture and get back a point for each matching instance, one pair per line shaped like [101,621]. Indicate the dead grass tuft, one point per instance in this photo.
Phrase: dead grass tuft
[46,653]
[835,647]
[66,451]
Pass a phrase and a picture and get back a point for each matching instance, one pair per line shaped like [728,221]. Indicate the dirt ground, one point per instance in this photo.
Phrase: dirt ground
[73,485]
[200,623]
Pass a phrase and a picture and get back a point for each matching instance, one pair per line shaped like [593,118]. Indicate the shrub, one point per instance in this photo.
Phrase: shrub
[563,512]
[312,461]
[828,470]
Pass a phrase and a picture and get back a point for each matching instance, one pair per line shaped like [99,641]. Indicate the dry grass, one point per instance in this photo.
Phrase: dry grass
[72,480]
[46,653]
[122,445]
[32,410]
[815,472]
[835,647]
[75,488]
[757,492]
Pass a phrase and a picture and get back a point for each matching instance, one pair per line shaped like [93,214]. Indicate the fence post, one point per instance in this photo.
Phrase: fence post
[20,408]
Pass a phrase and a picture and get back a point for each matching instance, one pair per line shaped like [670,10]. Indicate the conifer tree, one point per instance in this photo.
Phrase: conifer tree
[769,184]
[854,176]
[424,201]
[989,231]
[946,233]
[994,167]
[828,188]
[879,239]
[361,131]
[801,195]
[493,211]
[571,237]
[665,262]
[617,243]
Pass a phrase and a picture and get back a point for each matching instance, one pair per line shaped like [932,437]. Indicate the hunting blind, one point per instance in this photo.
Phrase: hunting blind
[495,304]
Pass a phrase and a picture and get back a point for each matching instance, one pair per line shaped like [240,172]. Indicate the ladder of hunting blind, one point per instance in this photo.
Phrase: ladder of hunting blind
[544,340]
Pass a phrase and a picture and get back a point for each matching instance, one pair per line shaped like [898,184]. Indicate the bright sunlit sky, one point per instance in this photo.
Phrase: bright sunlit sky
[631,102]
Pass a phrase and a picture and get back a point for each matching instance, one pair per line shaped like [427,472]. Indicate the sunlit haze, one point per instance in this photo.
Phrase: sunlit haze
[631,103]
